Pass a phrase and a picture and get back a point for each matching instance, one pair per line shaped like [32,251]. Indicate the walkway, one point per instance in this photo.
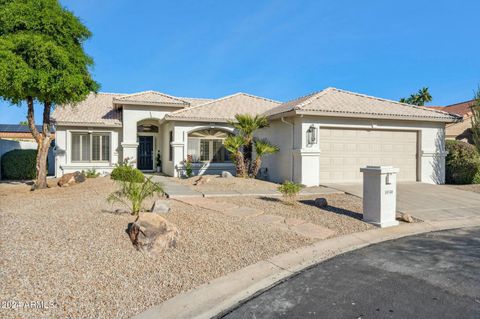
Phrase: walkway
[298,226]
[426,201]
[433,275]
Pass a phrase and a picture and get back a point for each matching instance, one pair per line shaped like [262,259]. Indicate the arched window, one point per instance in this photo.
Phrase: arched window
[207,146]
[147,128]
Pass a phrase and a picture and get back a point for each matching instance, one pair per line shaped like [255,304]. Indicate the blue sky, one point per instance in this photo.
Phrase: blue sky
[281,49]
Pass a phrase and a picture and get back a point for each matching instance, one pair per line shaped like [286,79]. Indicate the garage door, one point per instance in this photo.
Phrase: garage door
[344,151]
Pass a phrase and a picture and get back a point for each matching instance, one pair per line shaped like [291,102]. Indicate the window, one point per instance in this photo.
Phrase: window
[90,147]
[170,147]
[207,146]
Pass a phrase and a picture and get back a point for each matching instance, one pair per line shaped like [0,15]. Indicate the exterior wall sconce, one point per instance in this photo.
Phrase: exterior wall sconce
[312,135]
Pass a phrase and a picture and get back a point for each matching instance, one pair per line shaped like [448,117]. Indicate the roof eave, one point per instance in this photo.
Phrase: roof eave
[192,119]
[117,103]
[378,116]
[90,124]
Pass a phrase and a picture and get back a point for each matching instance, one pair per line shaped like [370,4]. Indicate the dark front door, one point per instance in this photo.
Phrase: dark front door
[144,153]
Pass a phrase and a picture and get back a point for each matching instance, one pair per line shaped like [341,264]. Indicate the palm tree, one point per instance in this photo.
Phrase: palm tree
[132,194]
[420,98]
[246,124]
[262,148]
[234,144]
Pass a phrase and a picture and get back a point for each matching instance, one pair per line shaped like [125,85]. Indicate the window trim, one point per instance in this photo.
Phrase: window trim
[90,137]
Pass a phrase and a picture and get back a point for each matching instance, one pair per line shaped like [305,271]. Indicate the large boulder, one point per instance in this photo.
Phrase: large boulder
[71,179]
[160,206]
[226,174]
[321,202]
[153,233]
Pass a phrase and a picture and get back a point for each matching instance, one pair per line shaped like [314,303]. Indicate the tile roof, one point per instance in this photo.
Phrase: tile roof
[224,109]
[17,128]
[193,101]
[463,109]
[96,109]
[150,97]
[336,102]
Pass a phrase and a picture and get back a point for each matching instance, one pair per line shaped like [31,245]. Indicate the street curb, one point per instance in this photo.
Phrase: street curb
[219,295]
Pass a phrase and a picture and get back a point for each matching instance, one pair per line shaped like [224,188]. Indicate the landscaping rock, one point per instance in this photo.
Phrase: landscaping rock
[153,233]
[71,179]
[405,218]
[321,202]
[226,174]
[202,180]
[121,211]
[160,206]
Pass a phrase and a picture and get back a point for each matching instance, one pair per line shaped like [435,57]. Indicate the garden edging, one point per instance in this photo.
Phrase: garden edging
[214,298]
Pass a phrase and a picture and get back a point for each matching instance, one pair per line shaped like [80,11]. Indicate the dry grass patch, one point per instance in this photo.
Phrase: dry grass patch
[67,245]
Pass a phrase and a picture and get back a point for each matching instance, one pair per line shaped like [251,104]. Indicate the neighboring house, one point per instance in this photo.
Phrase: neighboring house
[459,130]
[19,137]
[323,137]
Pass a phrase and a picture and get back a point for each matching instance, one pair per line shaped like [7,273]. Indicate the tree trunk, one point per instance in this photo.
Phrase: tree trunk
[256,166]
[247,157]
[240,165]
[43,140]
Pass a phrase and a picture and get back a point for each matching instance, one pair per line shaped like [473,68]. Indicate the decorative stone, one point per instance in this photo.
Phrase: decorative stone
[71,179]
[160,206]
[404,217]
[321,202]
[226,174]
[201,180]
[153,233]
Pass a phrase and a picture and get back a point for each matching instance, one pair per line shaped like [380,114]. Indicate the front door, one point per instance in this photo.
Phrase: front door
[145,152]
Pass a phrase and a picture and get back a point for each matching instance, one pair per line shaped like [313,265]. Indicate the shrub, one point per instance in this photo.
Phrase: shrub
[188,168]
[125,172]
[289,190]
[19,164]
[462,163]
[133,194]
[91,173]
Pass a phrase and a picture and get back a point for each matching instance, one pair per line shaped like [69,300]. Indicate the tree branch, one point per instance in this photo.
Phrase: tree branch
[31,119]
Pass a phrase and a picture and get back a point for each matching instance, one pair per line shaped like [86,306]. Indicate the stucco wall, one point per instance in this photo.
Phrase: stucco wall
[63,142]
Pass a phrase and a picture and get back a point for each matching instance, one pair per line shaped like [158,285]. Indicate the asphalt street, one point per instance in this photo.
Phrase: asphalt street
[433,275]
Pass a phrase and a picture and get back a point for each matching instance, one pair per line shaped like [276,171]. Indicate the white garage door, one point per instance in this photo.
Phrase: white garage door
[344,151]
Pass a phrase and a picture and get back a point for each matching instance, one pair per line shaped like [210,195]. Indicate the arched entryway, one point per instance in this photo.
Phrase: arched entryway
[206,145]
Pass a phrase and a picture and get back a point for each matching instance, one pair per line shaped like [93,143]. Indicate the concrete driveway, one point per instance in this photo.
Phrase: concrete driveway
[426,201]
[433,275]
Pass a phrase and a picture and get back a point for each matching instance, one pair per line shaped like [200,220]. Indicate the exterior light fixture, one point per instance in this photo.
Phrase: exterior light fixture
[312,135]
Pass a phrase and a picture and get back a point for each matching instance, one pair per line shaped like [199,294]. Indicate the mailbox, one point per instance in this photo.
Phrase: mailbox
[380,195]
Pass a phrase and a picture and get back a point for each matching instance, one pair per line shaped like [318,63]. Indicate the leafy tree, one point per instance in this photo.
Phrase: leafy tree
[42,61]
[246,124]
[476,120]
[262,148]
[23,123]
[420,98]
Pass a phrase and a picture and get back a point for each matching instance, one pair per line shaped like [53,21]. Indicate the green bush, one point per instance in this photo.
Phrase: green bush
[289,190]
[91,173]
[19,164]
[125,172]
[462,163]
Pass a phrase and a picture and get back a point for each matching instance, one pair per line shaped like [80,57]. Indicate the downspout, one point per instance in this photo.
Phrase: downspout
[293,145]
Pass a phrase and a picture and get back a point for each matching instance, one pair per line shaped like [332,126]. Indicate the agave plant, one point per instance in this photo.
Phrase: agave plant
[262,148]
[133,194]
[234,144]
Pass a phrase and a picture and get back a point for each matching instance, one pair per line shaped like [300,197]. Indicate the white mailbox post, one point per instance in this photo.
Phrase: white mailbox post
[380,195]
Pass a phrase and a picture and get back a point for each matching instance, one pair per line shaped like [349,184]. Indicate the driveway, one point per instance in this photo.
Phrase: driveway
[426,201]
[433,275]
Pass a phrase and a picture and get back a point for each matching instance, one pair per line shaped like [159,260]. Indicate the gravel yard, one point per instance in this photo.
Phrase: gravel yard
[471,188]
[342,215]
[66,246]
[217,183]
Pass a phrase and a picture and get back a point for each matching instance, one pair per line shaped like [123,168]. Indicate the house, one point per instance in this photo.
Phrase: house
[459,130]
[323,137]
[14,136]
